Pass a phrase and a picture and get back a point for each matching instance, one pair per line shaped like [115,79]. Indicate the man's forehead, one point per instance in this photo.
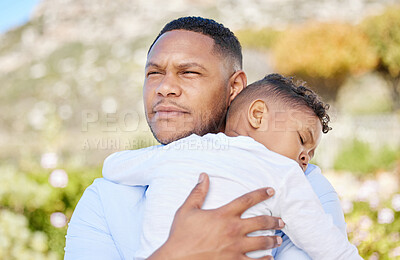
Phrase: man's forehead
[180,65]
[176,39]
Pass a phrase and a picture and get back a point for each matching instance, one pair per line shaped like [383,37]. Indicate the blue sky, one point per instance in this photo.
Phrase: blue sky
[15,12]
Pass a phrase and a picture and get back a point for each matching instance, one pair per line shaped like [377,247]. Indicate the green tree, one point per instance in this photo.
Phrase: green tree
[384,34]
[323,54]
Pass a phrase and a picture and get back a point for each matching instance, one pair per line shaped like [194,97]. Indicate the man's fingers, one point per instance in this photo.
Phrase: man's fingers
[268,257]
[261,223]
[198,194]
[241,204]
[261,243]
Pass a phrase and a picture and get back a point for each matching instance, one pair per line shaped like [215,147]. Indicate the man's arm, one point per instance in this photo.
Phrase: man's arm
[88,236]
[106,223]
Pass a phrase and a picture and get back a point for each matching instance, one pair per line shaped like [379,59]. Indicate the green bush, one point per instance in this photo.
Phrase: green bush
[384,34]
[374,234]
[358,157]
[18,241]
[27,201]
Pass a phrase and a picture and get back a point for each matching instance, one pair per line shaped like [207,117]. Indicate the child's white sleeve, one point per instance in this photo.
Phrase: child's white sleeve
[307,225]
[128,167]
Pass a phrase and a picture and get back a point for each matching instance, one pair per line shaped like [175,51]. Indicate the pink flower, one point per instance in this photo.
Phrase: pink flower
[58,178]
[58,219]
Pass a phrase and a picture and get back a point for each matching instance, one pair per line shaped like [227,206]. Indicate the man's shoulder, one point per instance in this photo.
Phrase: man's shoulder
[102,195]
[108,190]
[111,200]
[100,221]
[327,196]
[319,182]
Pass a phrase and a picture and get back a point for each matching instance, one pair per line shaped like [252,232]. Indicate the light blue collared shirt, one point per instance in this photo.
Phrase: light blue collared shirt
[106,223]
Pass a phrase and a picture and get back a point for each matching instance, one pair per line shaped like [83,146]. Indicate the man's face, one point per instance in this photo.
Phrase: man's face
[186,88]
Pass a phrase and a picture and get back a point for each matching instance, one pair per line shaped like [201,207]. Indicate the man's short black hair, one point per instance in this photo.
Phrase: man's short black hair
[282,90]
[225,42]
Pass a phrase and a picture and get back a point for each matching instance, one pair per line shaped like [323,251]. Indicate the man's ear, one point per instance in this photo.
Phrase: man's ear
[237,82]
[257,110]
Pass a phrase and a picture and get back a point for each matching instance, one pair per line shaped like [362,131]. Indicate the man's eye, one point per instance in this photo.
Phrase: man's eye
[190,72]
[152,73]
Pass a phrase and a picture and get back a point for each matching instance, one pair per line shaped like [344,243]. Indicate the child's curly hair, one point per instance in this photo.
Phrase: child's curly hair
[284,89]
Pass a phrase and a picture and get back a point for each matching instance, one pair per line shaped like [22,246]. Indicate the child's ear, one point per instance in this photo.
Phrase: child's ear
[257,110]
[237,83]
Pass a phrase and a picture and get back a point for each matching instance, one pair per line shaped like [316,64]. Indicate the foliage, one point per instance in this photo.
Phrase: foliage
[384,34]
[375,230]
[358,157]
[323,50]
[27,201]
[257,38]
[323,54]
[17,241]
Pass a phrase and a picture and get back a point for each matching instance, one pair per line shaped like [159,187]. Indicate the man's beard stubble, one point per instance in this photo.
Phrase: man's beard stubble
[212,122]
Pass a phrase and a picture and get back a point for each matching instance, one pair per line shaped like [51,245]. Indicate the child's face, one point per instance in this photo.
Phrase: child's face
[294,133]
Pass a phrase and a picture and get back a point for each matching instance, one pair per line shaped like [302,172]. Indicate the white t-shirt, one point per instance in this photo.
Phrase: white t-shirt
[236,165]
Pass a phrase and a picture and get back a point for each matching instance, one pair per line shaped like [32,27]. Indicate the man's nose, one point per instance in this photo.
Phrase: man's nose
[169,87]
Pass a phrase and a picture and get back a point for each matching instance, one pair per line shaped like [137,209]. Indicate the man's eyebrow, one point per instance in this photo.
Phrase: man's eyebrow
[152,64]
[191,65]
[179,66]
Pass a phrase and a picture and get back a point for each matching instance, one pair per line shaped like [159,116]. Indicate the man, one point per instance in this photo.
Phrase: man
[193,72]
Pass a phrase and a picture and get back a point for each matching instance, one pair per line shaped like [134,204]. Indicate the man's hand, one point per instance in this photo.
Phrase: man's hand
[219,233]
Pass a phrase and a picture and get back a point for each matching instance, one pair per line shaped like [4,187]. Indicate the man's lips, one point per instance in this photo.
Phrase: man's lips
[168,111]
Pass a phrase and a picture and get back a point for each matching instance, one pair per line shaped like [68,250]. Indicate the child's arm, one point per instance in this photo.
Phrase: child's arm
[117,166]
[129,167]
[307,225]
[331,205]
[288,251]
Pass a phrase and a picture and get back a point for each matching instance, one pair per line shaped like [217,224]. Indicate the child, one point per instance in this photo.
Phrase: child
[272,128]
